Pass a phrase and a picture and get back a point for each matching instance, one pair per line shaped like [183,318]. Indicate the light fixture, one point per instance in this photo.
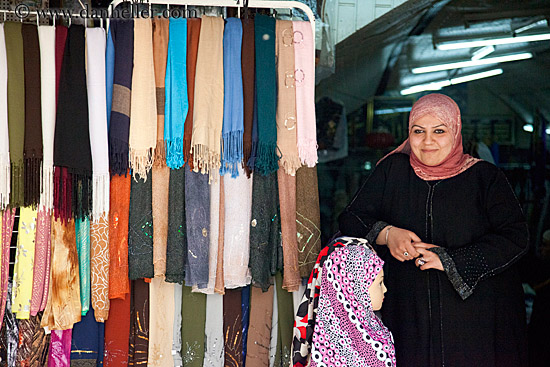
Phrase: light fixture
[388,111]
[529,26]
[445,83]
[547,131]
[465,64]
[492,41]
[482,52]
[528,128]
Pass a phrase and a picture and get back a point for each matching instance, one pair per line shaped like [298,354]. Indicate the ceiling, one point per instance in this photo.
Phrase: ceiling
[377,59]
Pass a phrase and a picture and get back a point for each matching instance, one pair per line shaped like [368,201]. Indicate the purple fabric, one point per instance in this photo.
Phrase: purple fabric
[347,332]
[60,348]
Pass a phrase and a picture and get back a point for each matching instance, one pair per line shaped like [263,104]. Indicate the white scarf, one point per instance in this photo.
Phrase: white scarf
[213,329]
[161,321]
[97,112]
[4,134]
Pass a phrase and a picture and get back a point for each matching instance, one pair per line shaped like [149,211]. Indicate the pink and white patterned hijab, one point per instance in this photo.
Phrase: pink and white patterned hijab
[347,332]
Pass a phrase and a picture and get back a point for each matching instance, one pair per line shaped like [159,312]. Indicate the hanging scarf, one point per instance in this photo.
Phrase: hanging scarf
[32,150]
[175,109]
[24,263]
[264,230]
[119,284]
[176,329]
[366,340]
[99,141]
[46,36]
[16,109]
[304,62]
[40,345]
[119,124]
[10,333]
[161,317]
[99,264]
[193,34]
[208,103]
[238,204]
[8,217]
[259,333]
[41,261]
[61,33]
[447,112]
[219,285]
[251,163]
[214,348]
[245,307]
[197,207]
[308,219]
[286,98]
[248,70]
[161,173]
[63,308]
[140,230]
[176,247]
[274,340]
[109,74]
[60,348]
[72,135]
[192,335]
[139,323]
[285,314]
[85,341]
[233,124]
[266,83]
[287,200]
[232,328]
[143,108]
[117,333]
[82,229]
[4,130]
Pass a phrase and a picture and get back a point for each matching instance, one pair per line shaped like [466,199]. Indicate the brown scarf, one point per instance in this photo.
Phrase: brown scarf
[32,150]
[259,331]
[248,68]
[308,219]
[193,33]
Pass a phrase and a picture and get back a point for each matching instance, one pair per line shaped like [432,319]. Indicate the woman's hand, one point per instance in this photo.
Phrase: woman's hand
[400,242]
[428,259]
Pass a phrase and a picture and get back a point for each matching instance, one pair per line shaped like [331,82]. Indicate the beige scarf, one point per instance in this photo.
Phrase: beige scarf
[208,104]
[143,107]
[286,95]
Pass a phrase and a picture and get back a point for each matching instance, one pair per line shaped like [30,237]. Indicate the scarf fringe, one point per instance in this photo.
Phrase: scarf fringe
[33,182]
[4,181]
[232,153]
[251,161]
[308,152]
[160,154]
[17,184]
[290,164]
[100,192]
[141,162]
[187,155]
[174,153]
[72,193]
[118,156]
[205,160]
[266,158]
[46,199]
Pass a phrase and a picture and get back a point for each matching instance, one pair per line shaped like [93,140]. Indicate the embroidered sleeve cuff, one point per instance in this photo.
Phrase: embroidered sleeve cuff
[463,289]
[375,231]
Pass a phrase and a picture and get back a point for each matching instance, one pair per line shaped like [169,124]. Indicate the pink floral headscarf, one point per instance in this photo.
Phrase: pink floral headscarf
[445,110]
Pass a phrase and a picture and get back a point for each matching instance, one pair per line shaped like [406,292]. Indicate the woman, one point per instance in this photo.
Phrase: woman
[450,231]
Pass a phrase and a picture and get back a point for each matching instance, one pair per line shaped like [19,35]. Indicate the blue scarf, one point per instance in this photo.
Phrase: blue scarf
[233,113]
[176,103]
[109,73]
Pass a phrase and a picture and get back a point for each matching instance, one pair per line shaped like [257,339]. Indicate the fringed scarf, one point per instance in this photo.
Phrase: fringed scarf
[208,104]
[175,109]
[46,35]
[8,217]
[304,58]
[233,124]
[16,110]
[82,230]
[266,83]
[248,72]
[143,107]
[99,140]
[72,154]
[122,32]
[193,34]
[286,98]
[4,130]
[32,150]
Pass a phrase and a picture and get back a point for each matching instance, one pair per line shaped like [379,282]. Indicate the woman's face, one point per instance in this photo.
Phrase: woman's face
[431,141]
[377,290]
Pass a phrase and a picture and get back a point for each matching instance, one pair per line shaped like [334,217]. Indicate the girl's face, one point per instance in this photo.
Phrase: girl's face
[431,141]
[377,290]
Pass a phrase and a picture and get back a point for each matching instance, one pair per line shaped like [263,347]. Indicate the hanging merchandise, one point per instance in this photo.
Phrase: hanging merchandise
[176,247]
[259,333]
[4,129]
[161,319]
[219,285]
[139,323]
[248,71]
[287,203]
[193,35]
[117,333]
[232,328]
[82,230]
[87,336]
[42,259]
[8,218]
[193,306]
[214,332]
[60,348]
[99,264]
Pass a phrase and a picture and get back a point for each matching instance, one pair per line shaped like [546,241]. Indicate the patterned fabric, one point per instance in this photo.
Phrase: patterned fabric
[26,332]
[10,334]
[8,218]
[99,262]
[346,328]
[40,346]
[82,229]
[42,254]
[139,327]
[60,348]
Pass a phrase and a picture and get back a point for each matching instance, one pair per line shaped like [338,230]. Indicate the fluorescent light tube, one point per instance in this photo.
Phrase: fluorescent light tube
[529,26]
[482,52]
[492,41]
[445,83]
[465,64]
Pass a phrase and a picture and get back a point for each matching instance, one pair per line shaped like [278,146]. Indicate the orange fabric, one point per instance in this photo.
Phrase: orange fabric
[119,284]
[117,333]
[99,264]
